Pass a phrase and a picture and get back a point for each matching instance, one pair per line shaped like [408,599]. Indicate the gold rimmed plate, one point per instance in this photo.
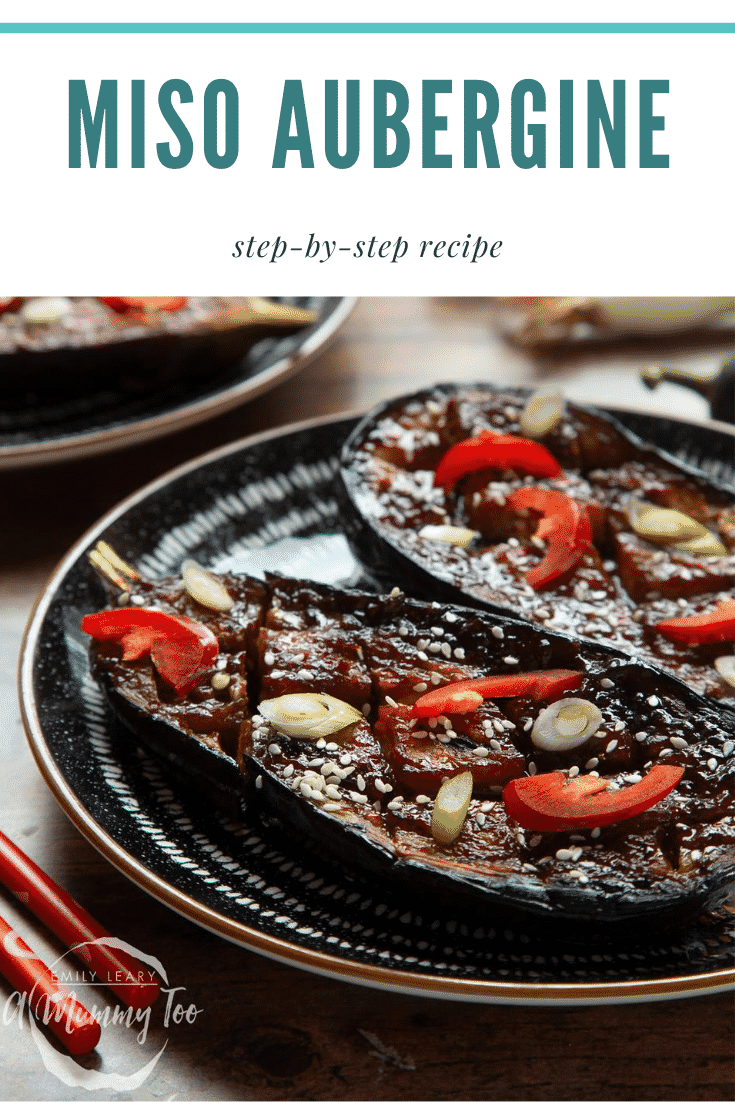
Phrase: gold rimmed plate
[269,503]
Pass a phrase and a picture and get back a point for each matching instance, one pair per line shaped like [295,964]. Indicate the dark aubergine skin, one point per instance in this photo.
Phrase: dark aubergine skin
[624,585]
[290,636]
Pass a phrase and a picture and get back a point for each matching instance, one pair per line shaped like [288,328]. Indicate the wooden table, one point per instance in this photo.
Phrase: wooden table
[265,1030]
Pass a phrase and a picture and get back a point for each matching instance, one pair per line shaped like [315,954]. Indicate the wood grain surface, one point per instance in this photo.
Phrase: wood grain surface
[264,1030]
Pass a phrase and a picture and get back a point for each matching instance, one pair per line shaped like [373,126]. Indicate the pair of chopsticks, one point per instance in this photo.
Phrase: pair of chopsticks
[68,1019]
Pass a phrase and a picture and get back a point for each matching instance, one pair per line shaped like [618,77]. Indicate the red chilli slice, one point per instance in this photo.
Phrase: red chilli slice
[123,305]
[495,449]
[551,802]
[181,649]
[710,627]
[467,696]
[564,523]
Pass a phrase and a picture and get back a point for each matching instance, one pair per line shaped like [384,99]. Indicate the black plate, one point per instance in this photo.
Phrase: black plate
[69,415]
[270,503]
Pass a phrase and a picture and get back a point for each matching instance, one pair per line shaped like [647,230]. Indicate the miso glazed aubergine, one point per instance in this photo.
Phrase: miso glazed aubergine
[528,505]
[450,751]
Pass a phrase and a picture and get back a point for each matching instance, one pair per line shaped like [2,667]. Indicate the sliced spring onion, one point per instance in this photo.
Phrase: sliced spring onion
[542,411]
[566,723]
[725,666]
[204,588]
[450,808]
[448,533]
[308,715]
[663,525]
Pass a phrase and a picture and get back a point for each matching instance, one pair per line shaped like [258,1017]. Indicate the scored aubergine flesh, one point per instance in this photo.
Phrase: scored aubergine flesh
[364,795]
[623,586]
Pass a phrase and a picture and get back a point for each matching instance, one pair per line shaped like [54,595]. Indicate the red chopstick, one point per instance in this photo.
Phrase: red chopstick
[128,978]
[71,1022]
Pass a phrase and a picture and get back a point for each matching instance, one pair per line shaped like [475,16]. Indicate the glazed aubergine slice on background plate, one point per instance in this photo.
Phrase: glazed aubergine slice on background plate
[527,505]
[322,701]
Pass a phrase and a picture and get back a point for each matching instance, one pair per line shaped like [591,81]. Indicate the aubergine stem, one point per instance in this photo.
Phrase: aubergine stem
[105,559]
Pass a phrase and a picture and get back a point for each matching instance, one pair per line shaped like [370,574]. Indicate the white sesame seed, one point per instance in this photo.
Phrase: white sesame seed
[532,769]
[331,806]
[641,736]
[258,782]
[480,819]
[359,798]
[459,652]
[481,752]
[346,759]
[446,650]
[321,743]
[220,680]
[366,710]
[574,771]
[527,724]
[288,771]
[535,840]
[403,630]
[390,702]
[498,632]
[331,746]
[333,792]
[606,683]
[679,743]
[450,617]
[423,799]
[422,644]
[444,738]
[712,763]
[269,658]
[619,725]
[360,782]
[420,687]
[510,661]
[395,592]
[437,631]
[727,749]
[274,749]
[696,854]
[592,763]
[433,723]
[422,655]
[666,753]
[612,745]
[595,832]
[495,745]
[654,701]
[394,805]
[564,855]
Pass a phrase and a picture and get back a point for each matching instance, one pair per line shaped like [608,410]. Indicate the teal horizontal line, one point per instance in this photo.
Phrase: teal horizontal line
[367,28]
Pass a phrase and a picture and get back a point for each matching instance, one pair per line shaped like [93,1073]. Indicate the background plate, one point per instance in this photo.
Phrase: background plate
[96,413]
[269,502]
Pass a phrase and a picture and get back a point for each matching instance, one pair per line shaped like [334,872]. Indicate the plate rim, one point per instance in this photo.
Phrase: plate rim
[496,992]
[99,441]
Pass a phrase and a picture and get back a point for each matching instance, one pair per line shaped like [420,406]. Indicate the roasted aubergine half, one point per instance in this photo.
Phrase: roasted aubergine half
[446,750]
[528,505]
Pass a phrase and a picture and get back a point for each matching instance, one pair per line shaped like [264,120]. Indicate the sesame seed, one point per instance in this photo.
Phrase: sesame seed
[444,738]
[269,658]
[619,725]
[366,710]
[420,687]
[433,723]
[274,749]
[450,617]
[331,746]
[612,745]
[527,724]
[288,771]
[437,631]
[359,798]
[654,701]
[574,771]
[712,763]
[592,763]
[727,749]
[459,652]
[480,752]
[394,805]
[423,799]
[395,592]
[346,759]
[331,806]
[422,644]
[595,832]
[321,743]
[532,769]
[606,683]
[258,782]
[446,650]
[495,745]
[333,792]
[480,819]
[679,743]
[641,736]
[360,781]
[509,661]
[390,702]
[220,681]
[535,840]
[403,630]
[419,734]
[565,855]
[696,854]
[498,632]
[665,753]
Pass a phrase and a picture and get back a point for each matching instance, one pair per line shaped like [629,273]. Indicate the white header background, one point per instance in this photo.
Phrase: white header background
[564,231]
